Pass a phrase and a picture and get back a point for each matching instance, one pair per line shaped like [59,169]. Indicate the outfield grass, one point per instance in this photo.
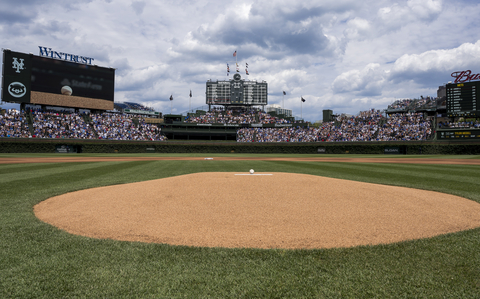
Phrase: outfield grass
[40,261]
[41,155]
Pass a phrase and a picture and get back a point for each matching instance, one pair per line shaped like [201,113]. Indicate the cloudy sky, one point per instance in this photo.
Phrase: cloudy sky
[343,55]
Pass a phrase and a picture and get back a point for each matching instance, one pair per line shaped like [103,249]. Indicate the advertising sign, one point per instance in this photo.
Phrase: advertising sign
[394,150]
[16,77]
[33,79]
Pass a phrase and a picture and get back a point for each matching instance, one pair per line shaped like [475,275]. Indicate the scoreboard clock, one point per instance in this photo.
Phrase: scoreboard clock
[462,99]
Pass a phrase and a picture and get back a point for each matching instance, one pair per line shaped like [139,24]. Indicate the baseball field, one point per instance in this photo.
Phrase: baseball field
[424,211]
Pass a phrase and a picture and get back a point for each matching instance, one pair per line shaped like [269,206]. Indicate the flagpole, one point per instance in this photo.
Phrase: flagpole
[301,107]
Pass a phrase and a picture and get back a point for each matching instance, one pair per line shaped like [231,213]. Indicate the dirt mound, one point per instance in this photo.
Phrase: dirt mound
[264,210]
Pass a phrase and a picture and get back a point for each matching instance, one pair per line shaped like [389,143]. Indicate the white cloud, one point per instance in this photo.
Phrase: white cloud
[397,15]
[430,64]
[367,81]
[425,8]
[357,27]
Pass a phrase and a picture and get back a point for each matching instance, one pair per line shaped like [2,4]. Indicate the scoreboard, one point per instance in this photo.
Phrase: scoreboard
[237,92]
[462,99]
[31,79]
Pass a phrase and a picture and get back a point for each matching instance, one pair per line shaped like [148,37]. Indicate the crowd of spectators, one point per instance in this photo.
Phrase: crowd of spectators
[58,124]
[414,104]
[428,102]
[286,134]
[68,124]
[362,127]
[122,127]
[367,126]
[459,124]
[220,116]
[14,124]
[405,126]
[400,104]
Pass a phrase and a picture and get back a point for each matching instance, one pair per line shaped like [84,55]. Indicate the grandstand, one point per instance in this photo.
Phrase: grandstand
[403,120]
[54,124]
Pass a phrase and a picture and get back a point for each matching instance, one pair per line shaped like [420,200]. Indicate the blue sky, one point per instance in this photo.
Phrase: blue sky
[343,55]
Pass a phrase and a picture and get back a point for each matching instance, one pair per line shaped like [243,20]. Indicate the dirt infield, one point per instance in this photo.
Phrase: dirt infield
[266,210]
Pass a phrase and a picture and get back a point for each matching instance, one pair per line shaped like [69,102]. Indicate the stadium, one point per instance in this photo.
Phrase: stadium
[78,180]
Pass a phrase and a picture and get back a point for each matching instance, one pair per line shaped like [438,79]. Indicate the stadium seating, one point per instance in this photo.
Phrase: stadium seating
[405,121]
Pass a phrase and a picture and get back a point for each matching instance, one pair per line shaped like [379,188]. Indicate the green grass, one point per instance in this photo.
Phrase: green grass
[41,155]
[40,261]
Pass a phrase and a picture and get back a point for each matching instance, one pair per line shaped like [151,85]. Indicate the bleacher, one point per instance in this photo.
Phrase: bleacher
[71,125]
[408,119]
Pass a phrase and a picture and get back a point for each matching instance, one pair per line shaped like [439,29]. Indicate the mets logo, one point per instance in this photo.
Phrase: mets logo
[18,66]
[17,89]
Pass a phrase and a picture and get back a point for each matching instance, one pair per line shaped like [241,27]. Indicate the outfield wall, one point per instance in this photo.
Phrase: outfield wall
[33,145]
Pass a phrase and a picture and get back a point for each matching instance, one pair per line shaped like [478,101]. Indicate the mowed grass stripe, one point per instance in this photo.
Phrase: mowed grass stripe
[461,180]
[71,177]
[468,174]
[33,171]
[441,178]
[38,260]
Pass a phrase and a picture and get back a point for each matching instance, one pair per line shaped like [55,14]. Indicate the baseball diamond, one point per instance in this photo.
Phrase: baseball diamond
[301,226]
[281,210]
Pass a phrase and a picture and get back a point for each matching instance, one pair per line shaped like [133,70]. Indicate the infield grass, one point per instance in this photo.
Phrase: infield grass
[41,261]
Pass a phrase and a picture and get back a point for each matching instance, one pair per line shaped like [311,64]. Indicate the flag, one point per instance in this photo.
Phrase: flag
[284,93]
[303,100]
[190,93]
[171,97]
[235,53]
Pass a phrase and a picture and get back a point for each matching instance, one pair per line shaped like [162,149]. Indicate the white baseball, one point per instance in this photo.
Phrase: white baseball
[66,90]
[251,171]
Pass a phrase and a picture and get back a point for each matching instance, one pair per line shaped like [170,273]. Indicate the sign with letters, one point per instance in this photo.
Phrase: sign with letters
[27,75]
[48,52]
[394,150]
[465,76]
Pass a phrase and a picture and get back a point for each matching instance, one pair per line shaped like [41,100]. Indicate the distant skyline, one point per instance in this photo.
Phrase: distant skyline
[343,55]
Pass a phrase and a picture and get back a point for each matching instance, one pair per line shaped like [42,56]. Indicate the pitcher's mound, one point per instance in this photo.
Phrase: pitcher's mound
[279,210]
